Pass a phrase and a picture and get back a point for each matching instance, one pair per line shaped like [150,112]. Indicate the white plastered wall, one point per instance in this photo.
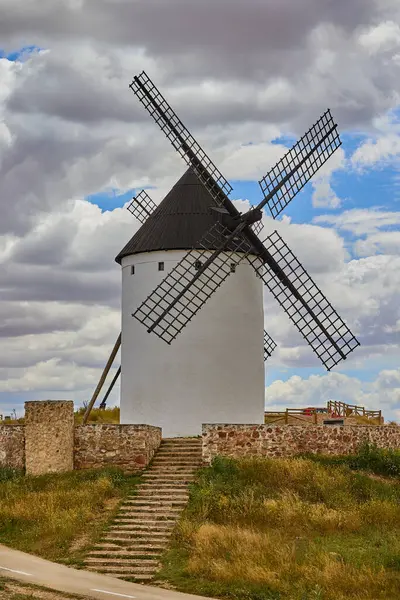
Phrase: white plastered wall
[213,372]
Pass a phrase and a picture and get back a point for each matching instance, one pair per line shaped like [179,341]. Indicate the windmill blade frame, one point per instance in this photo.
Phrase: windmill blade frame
[269,345]
[321,326]
[290,174]
[180,137]
[184,290]
[142,206]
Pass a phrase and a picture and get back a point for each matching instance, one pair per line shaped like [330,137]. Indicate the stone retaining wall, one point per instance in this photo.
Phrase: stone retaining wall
[130,447]
[275,440]
[49,436]
[12,446]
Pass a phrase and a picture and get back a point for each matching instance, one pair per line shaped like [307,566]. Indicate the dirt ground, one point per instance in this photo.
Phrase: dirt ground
[14,590]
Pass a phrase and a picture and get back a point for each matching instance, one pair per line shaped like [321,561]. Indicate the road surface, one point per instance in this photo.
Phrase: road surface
[32,569]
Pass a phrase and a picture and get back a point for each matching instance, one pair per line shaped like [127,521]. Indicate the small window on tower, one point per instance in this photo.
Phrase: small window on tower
[132,269]
[233,268]
[197,265]
[161,266]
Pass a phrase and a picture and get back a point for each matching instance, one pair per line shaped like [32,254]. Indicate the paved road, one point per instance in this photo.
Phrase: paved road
[33,569]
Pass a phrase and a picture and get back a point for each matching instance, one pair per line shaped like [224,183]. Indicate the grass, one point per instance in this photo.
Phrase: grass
[58,516]
[11,589]
[381,461]
[107,415]
[288,529]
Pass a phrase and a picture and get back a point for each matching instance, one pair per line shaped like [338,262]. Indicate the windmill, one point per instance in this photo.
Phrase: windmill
[169,308]
[228,245]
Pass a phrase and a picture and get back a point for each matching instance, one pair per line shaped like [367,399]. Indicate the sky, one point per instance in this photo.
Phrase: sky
[247,77]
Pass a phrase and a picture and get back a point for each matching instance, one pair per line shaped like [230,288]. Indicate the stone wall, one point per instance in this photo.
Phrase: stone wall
[49,436]
[12,446]
[130,447]
[275,440]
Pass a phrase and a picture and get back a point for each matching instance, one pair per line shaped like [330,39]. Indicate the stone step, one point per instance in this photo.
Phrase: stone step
[188,440]
[142,534]
[159,498]
[142,578]
[165,488]
[162,482]
[135,571]
[143,512]
[127,544]
[100,554]
[152,521]
[162,516]
[175,453]
[122,561]
[170,479]
[190,464]
[170,470]
[144,525]
[171,451]
[153,502]
[169,464]
[136,530]
[161,493]
[139,536]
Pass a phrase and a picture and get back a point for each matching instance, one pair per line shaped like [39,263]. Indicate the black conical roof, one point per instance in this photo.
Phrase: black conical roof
[178,222]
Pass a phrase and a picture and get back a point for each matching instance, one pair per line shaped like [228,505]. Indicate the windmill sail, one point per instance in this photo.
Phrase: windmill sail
[310,311]
[180,137]
[183,292]
[142,206]
[269,346]
[300,163]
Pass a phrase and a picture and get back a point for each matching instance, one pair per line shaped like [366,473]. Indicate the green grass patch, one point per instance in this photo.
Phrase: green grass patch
[59,516]
[381,461]
[288,529]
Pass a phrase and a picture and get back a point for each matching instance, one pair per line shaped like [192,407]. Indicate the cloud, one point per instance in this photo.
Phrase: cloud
[361,221]
[383,37]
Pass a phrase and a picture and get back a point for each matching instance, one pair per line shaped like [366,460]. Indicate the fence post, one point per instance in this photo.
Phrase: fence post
[286,416]
[315,418]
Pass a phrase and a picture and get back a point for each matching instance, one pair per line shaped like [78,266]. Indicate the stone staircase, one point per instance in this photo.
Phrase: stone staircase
[139,534]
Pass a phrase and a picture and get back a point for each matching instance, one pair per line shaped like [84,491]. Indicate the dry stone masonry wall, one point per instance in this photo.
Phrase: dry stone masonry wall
[12,446]
[288,440]
[130,447]
[49,436]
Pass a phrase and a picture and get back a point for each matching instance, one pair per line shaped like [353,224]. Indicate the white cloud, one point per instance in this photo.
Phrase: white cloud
[384,242]
[361,221]
[379,151]
[381,38]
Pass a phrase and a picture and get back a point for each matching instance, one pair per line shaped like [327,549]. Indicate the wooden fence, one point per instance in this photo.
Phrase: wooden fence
[334,409]
[341,409]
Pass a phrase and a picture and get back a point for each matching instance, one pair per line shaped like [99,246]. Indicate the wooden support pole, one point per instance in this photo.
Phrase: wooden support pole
[117,374]
[286,416]
[102,379]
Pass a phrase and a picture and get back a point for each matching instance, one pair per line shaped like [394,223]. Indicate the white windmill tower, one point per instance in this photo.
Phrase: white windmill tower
[214,371]
[174,267]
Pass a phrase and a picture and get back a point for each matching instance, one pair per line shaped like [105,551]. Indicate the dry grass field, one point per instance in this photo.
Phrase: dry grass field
[291,529]
[58,516]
